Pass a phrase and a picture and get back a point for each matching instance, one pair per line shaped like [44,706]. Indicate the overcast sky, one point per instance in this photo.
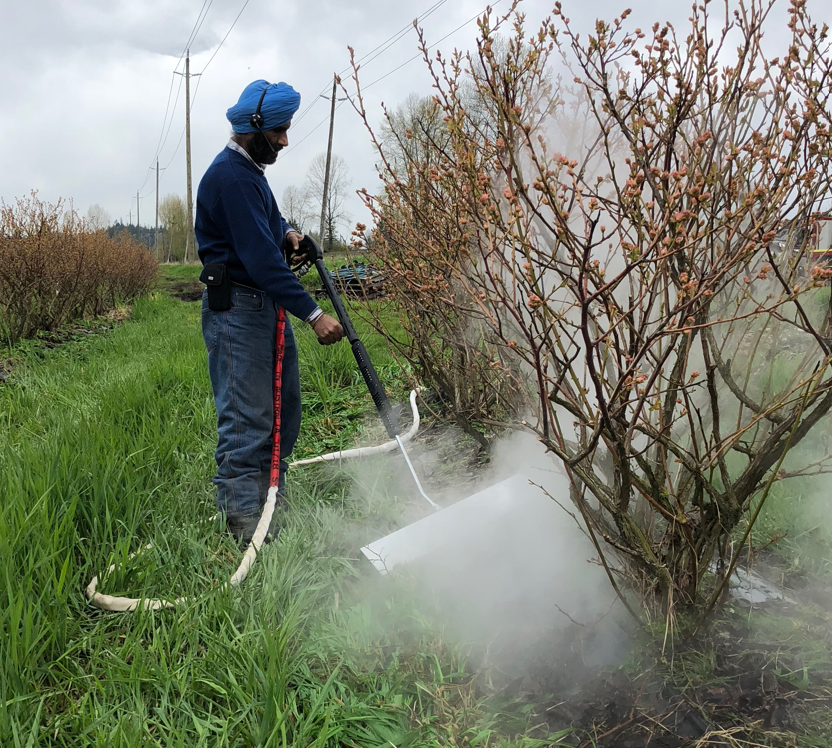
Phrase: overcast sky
[85,84]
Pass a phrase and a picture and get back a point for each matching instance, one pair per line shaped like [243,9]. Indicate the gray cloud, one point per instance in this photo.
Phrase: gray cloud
[85,84]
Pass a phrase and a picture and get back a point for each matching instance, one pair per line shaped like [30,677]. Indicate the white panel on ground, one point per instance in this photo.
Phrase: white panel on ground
[497,514]
[511,570]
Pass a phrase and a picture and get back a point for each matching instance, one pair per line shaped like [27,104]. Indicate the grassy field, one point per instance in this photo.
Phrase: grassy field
[106,445]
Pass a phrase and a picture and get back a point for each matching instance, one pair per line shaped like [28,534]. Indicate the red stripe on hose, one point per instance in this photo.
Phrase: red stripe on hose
[279,349]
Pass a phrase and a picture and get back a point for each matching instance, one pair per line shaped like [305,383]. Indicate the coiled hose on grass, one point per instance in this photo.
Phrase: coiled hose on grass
[130,604]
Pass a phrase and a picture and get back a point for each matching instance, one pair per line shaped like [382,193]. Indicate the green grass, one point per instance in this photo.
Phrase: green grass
[178,272]
[107,444]
[796,525]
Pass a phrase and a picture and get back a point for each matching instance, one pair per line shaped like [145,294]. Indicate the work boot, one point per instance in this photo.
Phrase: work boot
[242,528]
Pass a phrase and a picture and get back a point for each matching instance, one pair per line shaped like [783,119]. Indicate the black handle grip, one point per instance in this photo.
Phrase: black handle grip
[365,366]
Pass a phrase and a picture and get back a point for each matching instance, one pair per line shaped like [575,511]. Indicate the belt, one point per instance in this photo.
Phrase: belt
[250,288]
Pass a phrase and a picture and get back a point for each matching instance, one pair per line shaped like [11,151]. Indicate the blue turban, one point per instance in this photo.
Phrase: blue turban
[279,105]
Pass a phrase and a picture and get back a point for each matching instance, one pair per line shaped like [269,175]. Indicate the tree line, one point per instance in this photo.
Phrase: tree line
[299,205]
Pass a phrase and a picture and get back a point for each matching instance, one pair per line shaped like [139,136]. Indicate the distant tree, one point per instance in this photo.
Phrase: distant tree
[143,234]
[173,217]
[339,185]
[414,132]
[296,207]
[98,218]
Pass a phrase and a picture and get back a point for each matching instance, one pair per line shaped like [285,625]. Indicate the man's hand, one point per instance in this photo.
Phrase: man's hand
[327,329]
[292,241]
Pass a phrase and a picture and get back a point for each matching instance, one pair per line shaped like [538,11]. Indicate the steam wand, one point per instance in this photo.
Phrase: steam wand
[314,255]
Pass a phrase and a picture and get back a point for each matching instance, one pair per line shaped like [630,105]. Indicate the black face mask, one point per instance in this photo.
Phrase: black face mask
[260,150]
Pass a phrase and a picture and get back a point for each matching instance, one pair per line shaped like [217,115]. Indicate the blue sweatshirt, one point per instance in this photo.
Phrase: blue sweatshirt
[238,223]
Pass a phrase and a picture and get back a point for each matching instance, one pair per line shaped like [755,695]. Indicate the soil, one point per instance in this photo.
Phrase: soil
[185,290]
[744,700]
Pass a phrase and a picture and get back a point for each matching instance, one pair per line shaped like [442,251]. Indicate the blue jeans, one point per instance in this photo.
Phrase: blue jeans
[241,349]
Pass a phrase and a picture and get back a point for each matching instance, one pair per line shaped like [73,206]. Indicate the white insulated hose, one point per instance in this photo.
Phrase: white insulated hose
[130,604]
[367,451]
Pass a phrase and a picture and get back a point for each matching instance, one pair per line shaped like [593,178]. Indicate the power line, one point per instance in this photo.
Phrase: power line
[401,35]
[200,19]
[324,120]
[398,35]
[306,111]
[195,28]
[416,57]
[164,122]
[199,23]
[196,89]
[225,37]
[380,49]
[178,144]
[386,44]
[182,134]
[406,62]
[170,124]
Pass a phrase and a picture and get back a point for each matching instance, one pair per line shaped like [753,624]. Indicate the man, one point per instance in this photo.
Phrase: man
[238,226]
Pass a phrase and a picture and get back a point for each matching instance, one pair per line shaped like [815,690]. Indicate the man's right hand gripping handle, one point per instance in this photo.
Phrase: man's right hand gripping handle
[328,329]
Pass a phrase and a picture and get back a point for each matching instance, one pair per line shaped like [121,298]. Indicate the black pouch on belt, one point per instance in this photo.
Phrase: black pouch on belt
[215,277]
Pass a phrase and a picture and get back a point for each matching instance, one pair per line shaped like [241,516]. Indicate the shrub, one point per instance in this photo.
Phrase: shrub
[54,269]
[615,239]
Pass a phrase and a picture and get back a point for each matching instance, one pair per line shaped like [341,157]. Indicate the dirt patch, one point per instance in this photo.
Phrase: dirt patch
[185,290]
[730,689]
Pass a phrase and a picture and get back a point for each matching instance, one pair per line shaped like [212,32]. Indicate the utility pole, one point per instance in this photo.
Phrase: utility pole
[138,215]
[189,239]
[328,159]
[156,243]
